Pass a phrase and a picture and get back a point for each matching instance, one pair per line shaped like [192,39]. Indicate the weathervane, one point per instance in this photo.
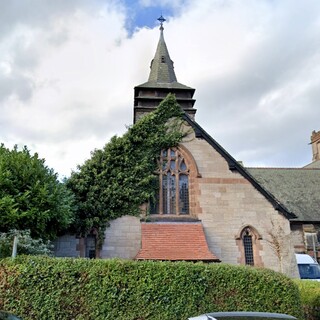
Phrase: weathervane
[162,20]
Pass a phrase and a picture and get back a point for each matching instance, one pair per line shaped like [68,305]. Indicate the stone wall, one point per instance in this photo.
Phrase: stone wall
[227,202]
[122,238]
[67,246]
[298,238]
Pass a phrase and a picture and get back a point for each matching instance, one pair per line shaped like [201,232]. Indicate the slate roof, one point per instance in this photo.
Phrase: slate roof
[174,241]
[298,189]
[313,165]
[234,165]
[161,85]
[162,73]
[295,192]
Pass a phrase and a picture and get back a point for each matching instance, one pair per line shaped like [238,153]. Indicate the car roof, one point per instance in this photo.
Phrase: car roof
[8,316]
[243,316]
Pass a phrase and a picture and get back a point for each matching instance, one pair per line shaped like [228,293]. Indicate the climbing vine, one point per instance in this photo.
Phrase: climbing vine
[119,178]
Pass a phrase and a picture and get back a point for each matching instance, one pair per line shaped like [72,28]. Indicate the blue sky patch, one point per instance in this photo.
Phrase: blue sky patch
[139,16]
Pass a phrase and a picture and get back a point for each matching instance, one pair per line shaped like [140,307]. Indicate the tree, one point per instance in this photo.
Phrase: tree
[31,196]
[116,180]
[26,245]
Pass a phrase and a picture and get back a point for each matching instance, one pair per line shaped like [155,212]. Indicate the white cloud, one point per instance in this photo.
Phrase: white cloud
[163,3]
[67,72]
[255,68]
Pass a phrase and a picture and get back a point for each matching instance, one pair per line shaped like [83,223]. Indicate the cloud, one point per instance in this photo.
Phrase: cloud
[67,72]
[256,70]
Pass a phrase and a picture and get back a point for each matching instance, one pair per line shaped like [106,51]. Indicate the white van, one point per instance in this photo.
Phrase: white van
[308,267]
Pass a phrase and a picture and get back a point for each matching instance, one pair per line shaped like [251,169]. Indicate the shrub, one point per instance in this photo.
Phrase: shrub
[26,245]
[310,297]
[54,288]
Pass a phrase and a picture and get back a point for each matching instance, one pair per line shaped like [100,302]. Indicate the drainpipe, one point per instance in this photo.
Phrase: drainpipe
[314,249]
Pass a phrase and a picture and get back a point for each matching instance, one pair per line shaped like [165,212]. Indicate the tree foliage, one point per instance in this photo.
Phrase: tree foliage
[116,180]
[26,245]
[31,196]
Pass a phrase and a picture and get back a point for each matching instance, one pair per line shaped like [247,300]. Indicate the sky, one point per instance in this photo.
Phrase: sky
[68,69]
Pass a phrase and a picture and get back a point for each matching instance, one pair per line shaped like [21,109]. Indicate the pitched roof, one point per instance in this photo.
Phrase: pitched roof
[234,165]
[298,189]
[162,66]
[162,73]
[295,192]
[174,241]
[313,165]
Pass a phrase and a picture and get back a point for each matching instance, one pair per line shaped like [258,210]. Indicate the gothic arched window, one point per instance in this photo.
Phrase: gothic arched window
[248,241]
[247,246]
[173,184]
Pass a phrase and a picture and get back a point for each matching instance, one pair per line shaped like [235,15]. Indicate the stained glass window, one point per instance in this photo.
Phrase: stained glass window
[173,192]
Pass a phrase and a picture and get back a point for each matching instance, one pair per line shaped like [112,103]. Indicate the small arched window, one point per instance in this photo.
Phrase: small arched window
[172,196]
[247,246]
[248,241]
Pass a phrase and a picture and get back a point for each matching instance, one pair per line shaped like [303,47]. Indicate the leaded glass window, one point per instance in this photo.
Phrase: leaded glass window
[173,191]
[248,248]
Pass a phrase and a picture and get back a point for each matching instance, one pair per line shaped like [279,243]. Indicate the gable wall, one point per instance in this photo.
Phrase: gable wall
[226,202]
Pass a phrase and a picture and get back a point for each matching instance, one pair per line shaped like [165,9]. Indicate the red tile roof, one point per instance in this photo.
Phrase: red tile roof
[174,241]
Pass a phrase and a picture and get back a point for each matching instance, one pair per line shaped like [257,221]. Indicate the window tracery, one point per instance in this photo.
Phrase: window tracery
[173,184]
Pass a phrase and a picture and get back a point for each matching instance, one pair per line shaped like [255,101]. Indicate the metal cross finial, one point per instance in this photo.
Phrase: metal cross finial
[162,20]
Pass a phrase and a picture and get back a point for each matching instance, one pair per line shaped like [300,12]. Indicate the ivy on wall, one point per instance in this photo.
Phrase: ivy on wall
[119,178]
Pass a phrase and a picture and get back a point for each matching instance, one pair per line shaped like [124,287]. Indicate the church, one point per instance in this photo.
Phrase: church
[210,207]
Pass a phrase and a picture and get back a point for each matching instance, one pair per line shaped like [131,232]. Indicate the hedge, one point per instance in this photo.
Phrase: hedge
[64,288]
[310,297]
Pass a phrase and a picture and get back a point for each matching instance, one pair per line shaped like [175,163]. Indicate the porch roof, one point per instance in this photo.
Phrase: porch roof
[174,241]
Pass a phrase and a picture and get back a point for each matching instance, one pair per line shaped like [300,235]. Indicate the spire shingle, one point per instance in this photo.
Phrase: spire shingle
[161,69]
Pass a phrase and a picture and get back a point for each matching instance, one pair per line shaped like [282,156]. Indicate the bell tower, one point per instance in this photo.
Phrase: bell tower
[162,81]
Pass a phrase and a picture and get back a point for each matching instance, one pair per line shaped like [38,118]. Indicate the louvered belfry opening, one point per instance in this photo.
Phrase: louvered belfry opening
[162,81]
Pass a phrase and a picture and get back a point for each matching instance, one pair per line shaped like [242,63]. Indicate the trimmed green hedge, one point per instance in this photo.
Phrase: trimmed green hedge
[310,297]
[54,288]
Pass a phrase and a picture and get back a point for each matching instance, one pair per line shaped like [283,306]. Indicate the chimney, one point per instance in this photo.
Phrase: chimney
[315,143]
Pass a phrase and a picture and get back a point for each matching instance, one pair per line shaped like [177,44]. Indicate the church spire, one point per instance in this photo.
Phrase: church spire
[162,81]
[161,69]
[162,20]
